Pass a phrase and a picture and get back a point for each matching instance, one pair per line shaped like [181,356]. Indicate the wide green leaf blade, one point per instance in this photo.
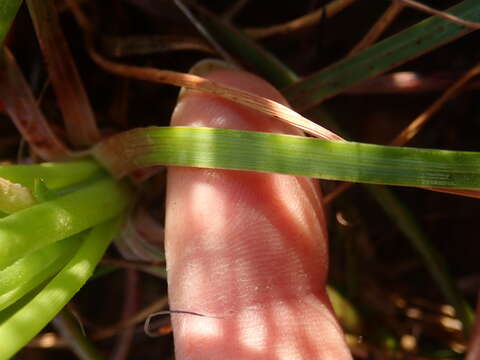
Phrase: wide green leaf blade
[287,154]
[385,55]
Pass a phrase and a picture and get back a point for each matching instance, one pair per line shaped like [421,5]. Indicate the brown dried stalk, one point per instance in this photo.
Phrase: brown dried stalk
[194,82]
[23,109]
[117,46]
[72,98]
[416,125]
[442,14]
[379,27]
[331,9]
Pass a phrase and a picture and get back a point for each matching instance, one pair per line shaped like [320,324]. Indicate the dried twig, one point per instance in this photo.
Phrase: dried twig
[310,19]
[379,27]
[442,14]
[416,125]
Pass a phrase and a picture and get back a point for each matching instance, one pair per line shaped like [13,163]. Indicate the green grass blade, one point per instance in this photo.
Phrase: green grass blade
[21,326]
[55,175]
[385,55]
[8,10]
[32,270]
[287,154]
[28,230]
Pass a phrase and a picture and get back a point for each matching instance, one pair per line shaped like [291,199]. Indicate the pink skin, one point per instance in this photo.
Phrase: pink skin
[247,249]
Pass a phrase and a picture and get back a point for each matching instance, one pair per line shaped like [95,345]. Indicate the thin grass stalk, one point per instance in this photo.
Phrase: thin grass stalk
[25,113]
[379,27]
[442,14]
[72,99]
[67,325]
[330,10]
[383,56]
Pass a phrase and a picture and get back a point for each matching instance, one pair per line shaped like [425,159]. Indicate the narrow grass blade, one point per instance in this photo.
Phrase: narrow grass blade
[233,41]
[72,98]
[55,175]
[8,10]
[14,197]
[33,269]
[385,55]
[69,328]
[21,106]
[267,152]
[28,230]
[21,326]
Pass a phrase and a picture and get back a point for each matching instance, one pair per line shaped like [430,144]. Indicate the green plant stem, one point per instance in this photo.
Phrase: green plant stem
[30,271]
[55,175]
[33,228]
[22,324]
[68,327]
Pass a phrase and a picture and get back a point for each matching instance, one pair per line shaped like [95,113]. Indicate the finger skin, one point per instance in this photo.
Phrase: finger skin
[247,249]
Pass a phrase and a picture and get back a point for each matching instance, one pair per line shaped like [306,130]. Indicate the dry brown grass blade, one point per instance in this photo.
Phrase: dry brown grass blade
[117,46]
[379,27]
[234,9]
[72,98]
[331,9]
[194,82]
[439,13]
[416,125]
[24,111]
